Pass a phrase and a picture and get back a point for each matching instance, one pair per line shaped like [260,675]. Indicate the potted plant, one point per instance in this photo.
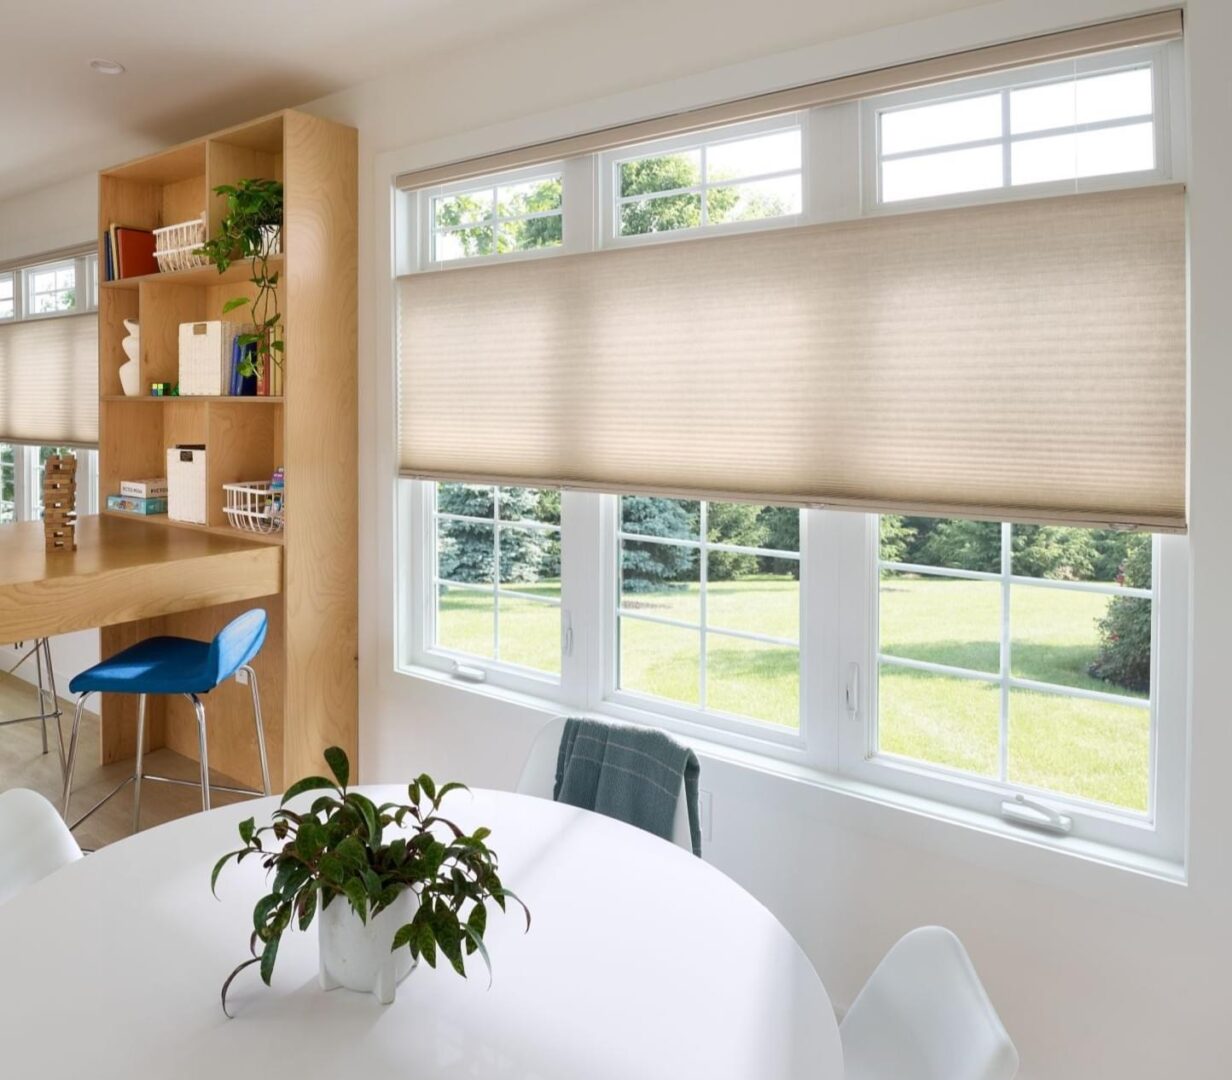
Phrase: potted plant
[393,883]
[252,229]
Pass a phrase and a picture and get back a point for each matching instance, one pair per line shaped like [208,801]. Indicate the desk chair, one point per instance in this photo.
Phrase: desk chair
[924,1015]
[48,701]
[34,842]
[173,665]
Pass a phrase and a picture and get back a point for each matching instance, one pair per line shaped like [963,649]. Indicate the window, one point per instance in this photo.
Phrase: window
[51,288]
[21,476]
[708,611]
[497,575]
[8,302]
[1020,653]
[8,479]
[1054,124]
[738,175]
[504,216]
[960,662]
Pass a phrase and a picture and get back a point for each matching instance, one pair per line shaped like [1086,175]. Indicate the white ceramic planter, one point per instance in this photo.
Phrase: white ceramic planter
[130,374]
[357,955]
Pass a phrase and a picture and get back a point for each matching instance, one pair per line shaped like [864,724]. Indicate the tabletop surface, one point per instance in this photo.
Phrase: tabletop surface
[106,543]
[642,963]
[121,571]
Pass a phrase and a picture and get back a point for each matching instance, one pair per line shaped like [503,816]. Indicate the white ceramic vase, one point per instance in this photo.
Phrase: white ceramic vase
[356,955]
[130,373]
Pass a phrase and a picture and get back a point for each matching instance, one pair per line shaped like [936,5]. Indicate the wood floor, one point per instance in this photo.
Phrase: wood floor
[23,764]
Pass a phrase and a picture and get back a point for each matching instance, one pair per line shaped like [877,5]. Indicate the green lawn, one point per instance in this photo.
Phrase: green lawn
[1092,749]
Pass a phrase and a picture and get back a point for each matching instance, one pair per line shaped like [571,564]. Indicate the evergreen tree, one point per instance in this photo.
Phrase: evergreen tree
[738,524]
[648,567]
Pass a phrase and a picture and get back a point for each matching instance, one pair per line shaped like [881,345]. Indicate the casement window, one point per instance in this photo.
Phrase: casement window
[8,299]
[744,521]
[708,609]
[1096,120]
[21,480]
[8,483]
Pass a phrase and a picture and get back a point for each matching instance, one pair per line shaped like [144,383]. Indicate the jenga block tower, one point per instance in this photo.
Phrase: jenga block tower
[59,502]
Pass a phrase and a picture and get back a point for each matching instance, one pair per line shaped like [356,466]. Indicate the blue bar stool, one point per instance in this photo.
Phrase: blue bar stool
[173,665]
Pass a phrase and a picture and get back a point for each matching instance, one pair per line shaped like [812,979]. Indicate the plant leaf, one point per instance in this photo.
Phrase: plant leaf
[218,869]
[356,894]
[231,978]
[402,937]
[336,758]
[367,809]
[268,955]
[308,783]
[475,943]
[233,303]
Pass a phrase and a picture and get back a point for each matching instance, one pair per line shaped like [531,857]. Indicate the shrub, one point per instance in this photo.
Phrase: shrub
[733,523]
[1125,628]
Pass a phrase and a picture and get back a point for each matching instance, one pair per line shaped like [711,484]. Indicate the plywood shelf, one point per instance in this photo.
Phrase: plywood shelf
[229,399]
[308,667]
[202,275]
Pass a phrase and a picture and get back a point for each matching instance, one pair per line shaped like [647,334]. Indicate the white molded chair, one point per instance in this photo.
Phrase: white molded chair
[34,841]
[539,778]
[924,1015]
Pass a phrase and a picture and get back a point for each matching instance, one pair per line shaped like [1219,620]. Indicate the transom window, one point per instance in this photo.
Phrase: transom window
[745,174]
[497,575]
[1020,653]
[708,609]
[51,288]
[497,218]
[1087,123]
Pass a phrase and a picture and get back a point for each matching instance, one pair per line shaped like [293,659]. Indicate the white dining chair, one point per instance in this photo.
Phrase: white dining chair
[34,841]
[925,1015]
[539,777]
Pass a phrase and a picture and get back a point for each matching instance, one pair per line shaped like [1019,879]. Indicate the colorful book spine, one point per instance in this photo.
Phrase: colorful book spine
[144,489]
[129,505]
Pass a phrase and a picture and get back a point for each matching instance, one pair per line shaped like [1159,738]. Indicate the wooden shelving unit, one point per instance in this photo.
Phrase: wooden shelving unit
[307,669]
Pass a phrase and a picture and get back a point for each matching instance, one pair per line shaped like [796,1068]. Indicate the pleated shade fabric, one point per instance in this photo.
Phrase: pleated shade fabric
[49,381]
[1020,361]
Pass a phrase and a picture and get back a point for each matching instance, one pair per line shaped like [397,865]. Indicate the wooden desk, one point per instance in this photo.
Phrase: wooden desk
[140,580]
[123,571]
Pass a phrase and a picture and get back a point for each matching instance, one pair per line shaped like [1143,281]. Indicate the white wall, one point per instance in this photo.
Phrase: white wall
[1098,972]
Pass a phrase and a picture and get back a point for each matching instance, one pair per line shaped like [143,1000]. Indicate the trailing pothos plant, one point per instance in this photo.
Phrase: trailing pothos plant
[347,849]
[254,208]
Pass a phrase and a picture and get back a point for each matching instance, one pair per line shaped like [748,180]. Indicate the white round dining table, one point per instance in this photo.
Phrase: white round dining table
[642,963]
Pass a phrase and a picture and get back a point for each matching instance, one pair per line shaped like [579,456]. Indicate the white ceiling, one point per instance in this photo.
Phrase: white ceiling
[197,66]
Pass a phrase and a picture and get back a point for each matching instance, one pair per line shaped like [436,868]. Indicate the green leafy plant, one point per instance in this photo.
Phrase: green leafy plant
[346,848]
[253,206]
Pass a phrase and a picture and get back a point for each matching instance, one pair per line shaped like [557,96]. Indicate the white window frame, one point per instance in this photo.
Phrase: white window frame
[425,256]
[609,163]
[1164,118]
[11,277]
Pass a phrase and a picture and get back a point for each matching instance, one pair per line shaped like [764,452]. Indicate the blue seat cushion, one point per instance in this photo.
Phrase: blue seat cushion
[176,665]
[160,665]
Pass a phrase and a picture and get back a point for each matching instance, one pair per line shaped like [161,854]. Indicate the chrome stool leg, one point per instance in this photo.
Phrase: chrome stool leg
[199,709]
[137,769]
[42,700]
[72,752]
[55,703]
[256,716]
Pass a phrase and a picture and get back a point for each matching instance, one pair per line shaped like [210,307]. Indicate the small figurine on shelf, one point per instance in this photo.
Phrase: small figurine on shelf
[59,502]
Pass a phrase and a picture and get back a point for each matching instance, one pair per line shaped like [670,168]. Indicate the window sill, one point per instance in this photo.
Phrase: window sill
[870,795]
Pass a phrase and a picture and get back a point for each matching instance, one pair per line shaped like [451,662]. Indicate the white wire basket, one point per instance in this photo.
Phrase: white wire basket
[254,507]
[182,234]
[175,246]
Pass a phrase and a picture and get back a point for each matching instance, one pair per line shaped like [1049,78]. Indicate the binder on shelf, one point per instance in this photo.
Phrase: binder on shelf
[134,252]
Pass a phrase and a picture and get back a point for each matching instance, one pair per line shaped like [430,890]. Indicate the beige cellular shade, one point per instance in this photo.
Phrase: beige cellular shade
[1066,44]
[1020,361]
[49,381]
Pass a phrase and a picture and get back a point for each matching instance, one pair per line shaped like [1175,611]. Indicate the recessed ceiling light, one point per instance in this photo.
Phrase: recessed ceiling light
[107,67]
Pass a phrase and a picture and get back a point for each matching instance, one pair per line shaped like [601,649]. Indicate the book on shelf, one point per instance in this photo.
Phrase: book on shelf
[128,252]
[155,488]
[130,504]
